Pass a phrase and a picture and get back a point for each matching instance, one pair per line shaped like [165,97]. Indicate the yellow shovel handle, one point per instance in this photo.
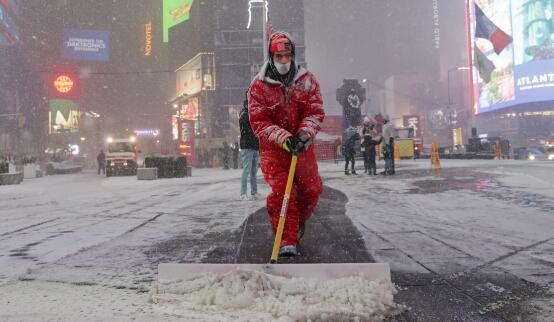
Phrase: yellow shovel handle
[284,207]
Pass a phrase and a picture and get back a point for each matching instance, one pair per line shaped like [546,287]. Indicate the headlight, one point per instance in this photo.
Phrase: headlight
[112,163]
[531,157]
[125,163]
[551,157]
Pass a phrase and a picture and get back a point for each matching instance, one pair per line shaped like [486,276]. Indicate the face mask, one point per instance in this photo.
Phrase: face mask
[282,68]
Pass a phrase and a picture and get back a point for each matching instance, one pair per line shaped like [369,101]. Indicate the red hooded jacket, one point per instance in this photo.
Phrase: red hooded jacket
[277,113]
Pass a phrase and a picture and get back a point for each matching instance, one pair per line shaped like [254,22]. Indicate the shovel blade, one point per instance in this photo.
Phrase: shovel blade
[169,272]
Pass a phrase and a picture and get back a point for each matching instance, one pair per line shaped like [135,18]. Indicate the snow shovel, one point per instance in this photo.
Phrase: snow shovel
[171,272]
[284,207]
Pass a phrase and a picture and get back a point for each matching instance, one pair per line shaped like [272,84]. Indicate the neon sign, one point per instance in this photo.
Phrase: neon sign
[63,84]
[148,39]
[250,2]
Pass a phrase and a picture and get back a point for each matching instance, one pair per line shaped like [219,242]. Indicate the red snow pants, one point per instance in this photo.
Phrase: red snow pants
[306,189]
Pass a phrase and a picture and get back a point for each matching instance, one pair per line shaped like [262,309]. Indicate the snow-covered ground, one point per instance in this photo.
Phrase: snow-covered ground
[72,246]
[473,214]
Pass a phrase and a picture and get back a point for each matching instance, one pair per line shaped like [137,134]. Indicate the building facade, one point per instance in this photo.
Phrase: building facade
[229,37]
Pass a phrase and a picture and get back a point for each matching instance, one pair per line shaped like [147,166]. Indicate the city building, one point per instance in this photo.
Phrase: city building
[215,52]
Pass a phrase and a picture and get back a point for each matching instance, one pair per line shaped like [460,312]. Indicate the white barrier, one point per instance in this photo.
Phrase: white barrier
[147,173]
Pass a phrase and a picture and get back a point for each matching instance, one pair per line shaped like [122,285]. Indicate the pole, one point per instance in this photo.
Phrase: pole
[470,60]
[451,135]
[450,103]
[264,28]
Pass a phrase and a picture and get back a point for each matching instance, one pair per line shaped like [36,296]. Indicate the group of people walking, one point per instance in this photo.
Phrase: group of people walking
[369,138]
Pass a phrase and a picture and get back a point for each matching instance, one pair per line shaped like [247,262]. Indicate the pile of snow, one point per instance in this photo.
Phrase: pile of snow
[243,295]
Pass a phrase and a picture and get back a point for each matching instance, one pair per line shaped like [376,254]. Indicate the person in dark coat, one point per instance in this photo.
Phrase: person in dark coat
[370,139]
[249,153]
[226,155]
[101,159]
[349,147]
[236,155]
[387,145]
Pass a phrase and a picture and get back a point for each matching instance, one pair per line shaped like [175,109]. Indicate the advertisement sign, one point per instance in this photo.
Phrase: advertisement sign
[514,52]
[174,127]
[186,140]
[63,84]
[189,77]
[413,122]
[147,132]
[148,39]
[63,116]
[189,111]
[175,12]
[83,44]
[8,31]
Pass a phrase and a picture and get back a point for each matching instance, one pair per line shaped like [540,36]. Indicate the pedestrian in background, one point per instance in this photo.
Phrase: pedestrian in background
[249,154]
[388,146]
[370,139]
[349,147]
[226,155]
[101,159]
[236,155]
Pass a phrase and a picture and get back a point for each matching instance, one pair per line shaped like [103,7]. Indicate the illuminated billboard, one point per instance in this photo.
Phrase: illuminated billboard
[8,31]
[196,75]
[63,116]
[189,110]
[83,44]
[513,52]
[174,12]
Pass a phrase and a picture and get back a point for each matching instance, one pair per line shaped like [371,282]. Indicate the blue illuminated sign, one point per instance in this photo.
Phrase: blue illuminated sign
[83,44]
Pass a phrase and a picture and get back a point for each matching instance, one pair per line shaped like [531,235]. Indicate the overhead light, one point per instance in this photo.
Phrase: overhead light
[175,105]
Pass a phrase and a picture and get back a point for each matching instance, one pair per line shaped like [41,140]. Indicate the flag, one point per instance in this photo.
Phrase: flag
[486,29]
[484,65]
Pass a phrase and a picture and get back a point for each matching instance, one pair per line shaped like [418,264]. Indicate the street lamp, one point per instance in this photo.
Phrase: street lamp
[364,84]
[448,78]
[450,99]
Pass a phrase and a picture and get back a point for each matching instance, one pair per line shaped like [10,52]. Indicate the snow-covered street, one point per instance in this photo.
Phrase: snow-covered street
[86,247]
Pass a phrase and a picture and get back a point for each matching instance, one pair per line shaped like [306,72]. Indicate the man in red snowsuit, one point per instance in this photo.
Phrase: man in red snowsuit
[286,112]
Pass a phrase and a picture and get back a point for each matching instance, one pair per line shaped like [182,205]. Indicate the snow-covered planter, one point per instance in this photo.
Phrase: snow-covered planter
[31,170]
[11,178]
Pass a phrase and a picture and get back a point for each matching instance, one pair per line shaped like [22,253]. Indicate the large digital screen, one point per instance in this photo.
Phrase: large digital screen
[63,116]
[513,52]
[9,34]
[83,44]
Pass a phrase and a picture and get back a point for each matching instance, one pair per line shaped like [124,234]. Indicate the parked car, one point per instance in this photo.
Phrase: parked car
[550,153]
[535,154]
[529,154]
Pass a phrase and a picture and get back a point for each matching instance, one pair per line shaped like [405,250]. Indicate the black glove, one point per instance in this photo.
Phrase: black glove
[302,141]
